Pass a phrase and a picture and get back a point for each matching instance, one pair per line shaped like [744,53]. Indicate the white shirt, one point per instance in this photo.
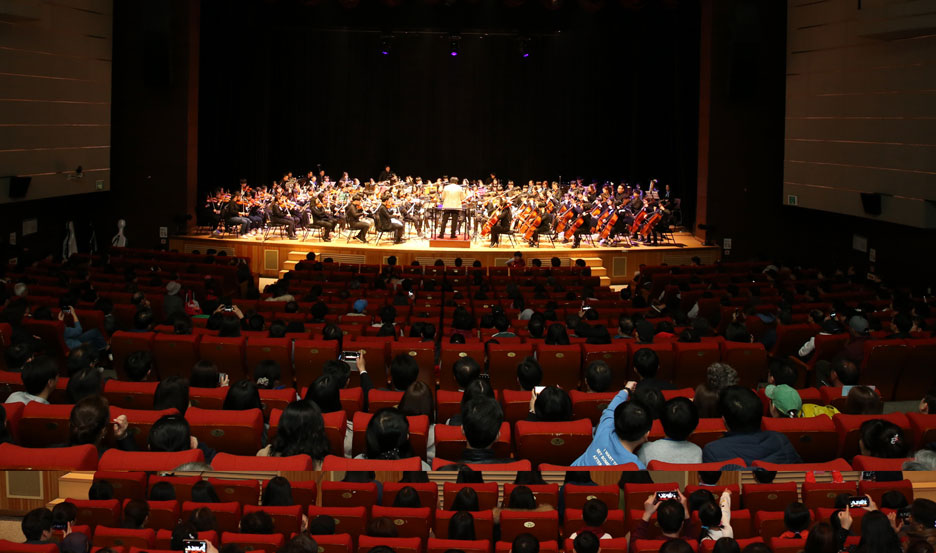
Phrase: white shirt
[25,397]
[452,196]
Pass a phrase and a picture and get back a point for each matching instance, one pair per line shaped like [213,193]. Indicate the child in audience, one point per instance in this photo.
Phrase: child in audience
[716,519]
[594,514]
[796,518]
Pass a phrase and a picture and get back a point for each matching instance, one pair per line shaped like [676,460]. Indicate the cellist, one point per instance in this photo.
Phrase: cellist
[502,225]
[545,224]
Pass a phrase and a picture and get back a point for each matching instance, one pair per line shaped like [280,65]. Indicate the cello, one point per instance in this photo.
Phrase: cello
[562,220]
[638,220]
[606,231]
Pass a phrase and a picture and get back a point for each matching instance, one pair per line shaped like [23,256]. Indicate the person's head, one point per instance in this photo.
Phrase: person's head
[919,546]
[710,514]
[844,373]
[322,525]
[893,499]
[785,401]
[632,424]
[877,534]
[796,517]
[241,396]
[37,525]
[407,498]
[645,331]
[594,512]
[301,431]
[466,500]
[882,438]
[862,400]
[86,383]
[135,514]
[257,522]
[821,539]
[172,392]
[170,433]
[465,369]
[83,357]
[205,374]
[278,329]
[679,418]
[922,514]
[204,492]
[726,545]
[698,498]
[650,399]
[586,542]
[741,409]
[556,335]
[553,404]
[461,526]
[417,400]
[101,490]
[40,376]
[230,327]
[64,513]
[139,365]
[387,436]
[302,543]
[277,493]
[525,543]
[88,421]
[782,371]
[403,371]
[182,531]
[326,393]
[598,376]
[646,363]
[670,515]
[162,491]
[144,319]
[17,354]
[267,374]
[481,421]
[529,374]
[521,498]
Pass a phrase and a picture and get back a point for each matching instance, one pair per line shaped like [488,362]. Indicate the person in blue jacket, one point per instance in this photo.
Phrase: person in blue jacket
[623,427]
[742,411]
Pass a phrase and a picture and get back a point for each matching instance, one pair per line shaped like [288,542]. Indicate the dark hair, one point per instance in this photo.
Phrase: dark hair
[706,401]
[737,332]
[651,399]
[796,517]
[466,500]
[465,369]
[277,493]
[162,491]
[322,525]
[88,421]
[679,418]
[241,396]
[556,335]
[204,492]
[326,393]
[257,522]
[594,512]
[338,370]
[586,542]
[675,545]
[138,365]
[381,527]
[35,523]
[37,373]
[17,354]
[821,539]
[143,320]
[529,374]
[403,371]
[670,515]
[893,499]
[525,543]
[726,545]
[553,404]
[80,358]
[172,392]
[64,513]
[417,400]
[100,490]
[923,512]
[631,421]
[646,362]
[710,516]
[598,376]
[461,526]
[521,498]
[741,408]
[205,374]
[783,372]
[230,327]
[170,433]
[88,382]
[877,535]
[182,531]
[387,436]
[135,513]
[407,498]
[301,431]
[847,372]
[302,543]
[267,374]
[481,421]
[882,438]
[698,498]
[456,338]
[862,400]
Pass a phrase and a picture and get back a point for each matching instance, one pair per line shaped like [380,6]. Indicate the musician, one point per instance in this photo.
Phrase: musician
[386,174]
[232,216]
[587,224]
[280,216]
[412,213]
[545,225]
[452,197]
[354,219]
[636,204]
[502,225]
[385,222]
[321,219]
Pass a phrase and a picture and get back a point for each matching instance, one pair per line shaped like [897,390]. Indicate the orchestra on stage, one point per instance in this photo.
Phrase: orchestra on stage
[480,210]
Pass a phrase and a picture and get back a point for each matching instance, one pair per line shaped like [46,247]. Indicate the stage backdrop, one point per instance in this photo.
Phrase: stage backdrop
[611,95]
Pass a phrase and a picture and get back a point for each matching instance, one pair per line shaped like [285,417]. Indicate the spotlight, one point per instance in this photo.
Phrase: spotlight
[525,47]
[453,44]
[386,45]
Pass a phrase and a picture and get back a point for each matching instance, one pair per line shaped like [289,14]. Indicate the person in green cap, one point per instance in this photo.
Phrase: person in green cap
[785,402]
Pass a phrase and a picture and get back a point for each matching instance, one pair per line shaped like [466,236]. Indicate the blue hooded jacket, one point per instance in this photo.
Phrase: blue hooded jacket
[606,448]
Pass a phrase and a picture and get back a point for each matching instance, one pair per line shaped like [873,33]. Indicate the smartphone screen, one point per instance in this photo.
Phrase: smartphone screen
[537,390]
[663,496]
[195,546]
[858,501]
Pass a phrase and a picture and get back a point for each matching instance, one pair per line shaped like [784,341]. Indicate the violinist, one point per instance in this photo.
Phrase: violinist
[502,225]
[385,221]
[354,219]
[321,219]
[280,216]
[546,222]
[231,214]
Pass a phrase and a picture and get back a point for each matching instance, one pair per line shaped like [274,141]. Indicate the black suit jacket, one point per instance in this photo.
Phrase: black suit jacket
[383,218]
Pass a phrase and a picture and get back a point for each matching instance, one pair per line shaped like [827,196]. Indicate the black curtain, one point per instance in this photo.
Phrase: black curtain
[607,96]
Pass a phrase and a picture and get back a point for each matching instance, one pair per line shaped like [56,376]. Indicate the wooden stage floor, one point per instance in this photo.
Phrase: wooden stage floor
[269,257]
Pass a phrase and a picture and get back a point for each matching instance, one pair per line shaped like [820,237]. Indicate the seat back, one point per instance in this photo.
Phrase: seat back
[310,356]
[768,497]
[917,373]
[339,543]
[348,520]
[544,525]
[254,542]
[550,442]
[274,349]
[181,484]
[377,357]
[561,365]
[229,462]
[450,442]
[127,485]
[452,353]
[286,520]
[410,523]
[227,514]
[428,493]
[749,360]
[139,423]
[125,343]
[114,459]
[487,494]
[245,492]
[692,361]
[52,334]
[502,363]
[424,355]
[590,405]
[225,352]
[436,545]
[483,523]
[349,494]
[175,354]
[162,514]
[398,545]
[882,363]
[104,512]
[236,432]
[791,337]
[615,523]
[923,428]
[576,495]
[545,494]
[848,427]
[614,354]
[123,537]
[636,494]
[877,489]
[418,430]
[44,424]
[130,395]
[814,438]
[823,494]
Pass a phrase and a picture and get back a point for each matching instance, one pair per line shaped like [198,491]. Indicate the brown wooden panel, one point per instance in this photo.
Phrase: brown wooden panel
[19,507]
[31,88]
[33,162]
[28,138]
[55,65]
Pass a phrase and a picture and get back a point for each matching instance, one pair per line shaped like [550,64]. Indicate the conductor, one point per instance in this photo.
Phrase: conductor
[452,197]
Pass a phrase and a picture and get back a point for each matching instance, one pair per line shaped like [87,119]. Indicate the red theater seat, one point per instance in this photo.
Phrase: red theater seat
[450,442]
[139,423]
[122,537]
[544,546]
[162,514]
[79,457]
[614,524]
[226,353]
[398,545]
[664,353]
[487,494]
[436,545]
[175,354]
[614,354]
[547,494]
[254,542]
[835,464]
[864,462]
[348,520]
[750,360]
[636,494]
[768,497]
[770,524]
[227,514]
[16,547]
[181,484]
[274,349]
[127,485]
[410,523]
[652,546]
[882,363]
[708,430]
[917,372]
[310,355]
[660,465]
[229,462]
[424,355]
[130,395]
[245,492]
[333,462]
[516,404]
[561,365]
[428,492]
[208,398]
[544,525]
[452,353]
[717,489]
[709,545]
[336,426]
[104,512]
[418,430]
[43,424]
[848,426]
[114,459]
[691,361]
[125,343]
[553,442]
[164,538]
[589,405]
[823,494]
[814,438]
[877,489]
[503,359]
[483,523]
[340,543]
[382,399]
[286,520]
[349,494]
[786,545]
[236,432]
[923,428]
[576,495]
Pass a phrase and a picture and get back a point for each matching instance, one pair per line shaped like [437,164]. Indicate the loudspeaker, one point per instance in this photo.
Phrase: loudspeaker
[19,186]
[871,202]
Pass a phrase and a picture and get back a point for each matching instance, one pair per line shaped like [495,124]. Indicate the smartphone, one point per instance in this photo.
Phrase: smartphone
[195,546]
[538,389]
[61,526]
[228,308]
[903,514]
[349,356]
[858,501]
[222,377]
[663,496]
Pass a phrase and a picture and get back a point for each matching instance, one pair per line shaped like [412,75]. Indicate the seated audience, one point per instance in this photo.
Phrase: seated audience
[679,420]
[742,411]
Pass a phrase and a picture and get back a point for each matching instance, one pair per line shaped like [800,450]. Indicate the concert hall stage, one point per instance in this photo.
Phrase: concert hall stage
[616,264]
